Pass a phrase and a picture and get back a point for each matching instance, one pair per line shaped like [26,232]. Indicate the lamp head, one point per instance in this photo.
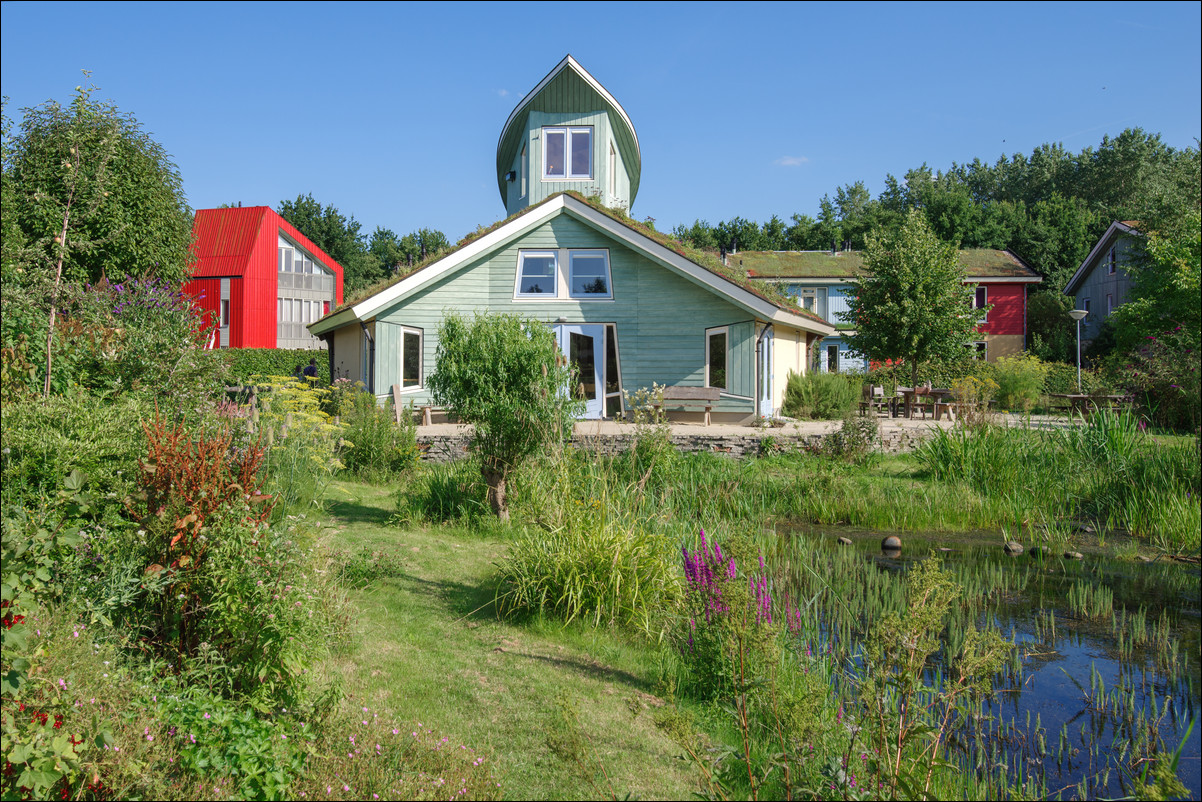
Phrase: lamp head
[1077,314]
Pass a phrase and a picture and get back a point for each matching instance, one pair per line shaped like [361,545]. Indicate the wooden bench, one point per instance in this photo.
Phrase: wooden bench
[685,397]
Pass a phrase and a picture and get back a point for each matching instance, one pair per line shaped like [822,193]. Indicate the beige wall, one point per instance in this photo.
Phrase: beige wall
[999,345]
[789,357]
[348,361]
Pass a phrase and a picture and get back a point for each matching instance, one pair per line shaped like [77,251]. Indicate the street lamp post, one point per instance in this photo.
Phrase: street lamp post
[1078,315]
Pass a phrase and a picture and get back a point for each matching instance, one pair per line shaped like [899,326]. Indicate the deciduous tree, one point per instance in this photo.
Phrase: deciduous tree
[506,377]
[912,304]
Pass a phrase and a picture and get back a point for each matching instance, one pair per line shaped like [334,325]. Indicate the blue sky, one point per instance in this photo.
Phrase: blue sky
[392,112]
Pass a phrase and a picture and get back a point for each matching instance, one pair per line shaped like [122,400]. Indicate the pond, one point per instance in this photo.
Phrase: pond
[1107,667]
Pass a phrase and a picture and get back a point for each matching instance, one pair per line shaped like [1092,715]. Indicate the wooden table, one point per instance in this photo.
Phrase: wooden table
[936,394]
[1084,404]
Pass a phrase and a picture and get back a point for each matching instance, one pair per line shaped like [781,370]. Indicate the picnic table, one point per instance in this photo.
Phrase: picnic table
[1085,404]
[917,396]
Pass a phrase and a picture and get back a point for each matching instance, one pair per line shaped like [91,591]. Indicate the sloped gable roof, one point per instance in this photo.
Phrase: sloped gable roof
[561,91]
[979,264]
[1117,229]
[760,300]
[224,239]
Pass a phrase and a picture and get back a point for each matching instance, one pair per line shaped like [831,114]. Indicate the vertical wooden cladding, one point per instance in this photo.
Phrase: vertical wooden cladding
[242,244]
[206,299]
[1008,315]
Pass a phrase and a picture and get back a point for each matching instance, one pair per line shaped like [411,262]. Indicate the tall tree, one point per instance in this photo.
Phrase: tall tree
[135,220]
[338,236]
[912,304]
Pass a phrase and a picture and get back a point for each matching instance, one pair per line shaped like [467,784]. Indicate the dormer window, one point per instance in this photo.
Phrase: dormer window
[568,152]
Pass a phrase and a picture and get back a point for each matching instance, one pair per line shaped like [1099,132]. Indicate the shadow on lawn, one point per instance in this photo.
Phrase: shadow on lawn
[353,511]
[464,601]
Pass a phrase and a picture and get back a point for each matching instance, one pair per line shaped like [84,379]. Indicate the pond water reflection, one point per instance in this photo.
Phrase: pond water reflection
[1108,649]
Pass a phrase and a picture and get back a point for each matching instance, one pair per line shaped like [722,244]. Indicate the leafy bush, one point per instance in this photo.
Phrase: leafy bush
[972,401]
[244,364]
[1163,375]
[302,443]
[1020,381]
[855,441]
[43,442]
[1061,377]
[375,447]
[821,396]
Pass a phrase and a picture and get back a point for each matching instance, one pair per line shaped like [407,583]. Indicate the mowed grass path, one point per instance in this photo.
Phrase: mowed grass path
[428,647]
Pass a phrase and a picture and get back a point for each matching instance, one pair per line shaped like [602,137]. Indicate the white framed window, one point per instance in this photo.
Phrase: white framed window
[980,351]
[980,300]
[568,152]
[588,274]
[538,272]
[1109,303]
[717,357]
[225,312]
[411,359]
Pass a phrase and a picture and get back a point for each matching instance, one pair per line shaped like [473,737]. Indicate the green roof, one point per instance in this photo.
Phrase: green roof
[978,263]
[708,261]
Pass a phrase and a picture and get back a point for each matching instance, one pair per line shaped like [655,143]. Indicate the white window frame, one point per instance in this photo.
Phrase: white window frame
[410,331]
[1109,303]
[568,131]
[589,296]
[225,312]
[709,333]
[534,296]
[981,288]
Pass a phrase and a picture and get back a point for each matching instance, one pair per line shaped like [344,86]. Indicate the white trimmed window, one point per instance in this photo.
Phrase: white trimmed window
[537,274]
[411,359]
[568,152]
[225,312]
[980,300]
[717,357]
[588,274]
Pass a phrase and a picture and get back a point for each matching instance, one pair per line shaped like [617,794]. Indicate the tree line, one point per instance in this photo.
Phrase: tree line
[364,259]
[1049,207]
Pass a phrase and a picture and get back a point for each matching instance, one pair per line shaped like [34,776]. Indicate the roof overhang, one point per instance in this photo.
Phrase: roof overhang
[1116,230]
[760,307]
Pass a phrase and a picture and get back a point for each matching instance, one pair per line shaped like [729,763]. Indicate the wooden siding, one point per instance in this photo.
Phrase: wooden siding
[542,188]
[661,317]
[1098,283]
[1009,313]
[569,94]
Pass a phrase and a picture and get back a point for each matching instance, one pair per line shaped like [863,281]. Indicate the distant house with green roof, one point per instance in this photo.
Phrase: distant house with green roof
[629,306]
[822,281]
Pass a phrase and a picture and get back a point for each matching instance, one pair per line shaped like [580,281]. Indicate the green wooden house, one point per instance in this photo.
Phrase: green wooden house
[630,307]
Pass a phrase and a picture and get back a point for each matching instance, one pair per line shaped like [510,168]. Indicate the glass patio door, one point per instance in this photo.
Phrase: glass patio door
[581,344]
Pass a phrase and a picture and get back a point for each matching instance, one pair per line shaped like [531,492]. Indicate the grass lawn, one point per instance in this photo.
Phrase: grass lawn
[428,648]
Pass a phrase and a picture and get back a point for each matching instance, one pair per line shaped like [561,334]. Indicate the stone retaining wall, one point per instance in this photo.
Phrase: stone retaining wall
[449,448]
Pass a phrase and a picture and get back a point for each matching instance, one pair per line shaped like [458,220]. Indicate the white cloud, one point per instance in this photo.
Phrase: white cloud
[790,161]
[503,92]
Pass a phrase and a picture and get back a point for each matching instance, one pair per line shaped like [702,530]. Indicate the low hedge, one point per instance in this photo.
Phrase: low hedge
[246,362]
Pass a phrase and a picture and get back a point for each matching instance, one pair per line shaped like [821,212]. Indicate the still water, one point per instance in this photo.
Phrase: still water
[1109,651]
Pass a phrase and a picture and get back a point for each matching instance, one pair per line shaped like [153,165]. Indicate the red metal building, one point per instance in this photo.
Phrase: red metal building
[259,279]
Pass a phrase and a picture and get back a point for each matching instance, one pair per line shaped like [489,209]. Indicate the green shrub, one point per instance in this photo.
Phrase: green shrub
[1020,381]
[43,442]
[374,446]
[302,443]
[856,439]
[1061,377]
[822,396]
[245,363]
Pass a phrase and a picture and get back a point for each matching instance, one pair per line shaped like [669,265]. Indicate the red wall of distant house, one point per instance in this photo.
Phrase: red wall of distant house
[1009,312]
[206,297]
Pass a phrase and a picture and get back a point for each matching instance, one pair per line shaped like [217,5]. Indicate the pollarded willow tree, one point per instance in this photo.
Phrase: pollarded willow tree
[505,376]
[913,304]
